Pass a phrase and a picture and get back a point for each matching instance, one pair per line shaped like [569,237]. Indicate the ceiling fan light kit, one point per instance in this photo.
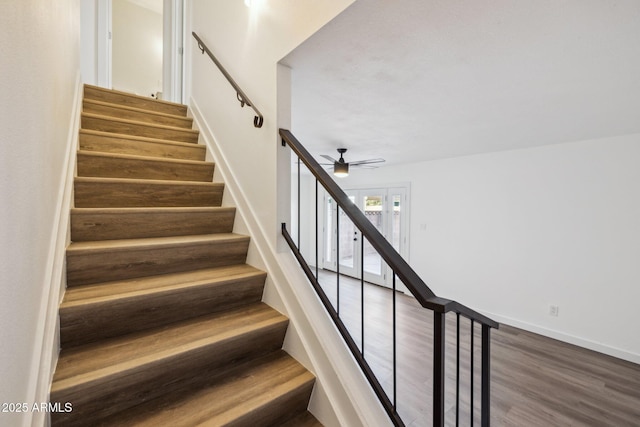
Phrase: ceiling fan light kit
[341,169]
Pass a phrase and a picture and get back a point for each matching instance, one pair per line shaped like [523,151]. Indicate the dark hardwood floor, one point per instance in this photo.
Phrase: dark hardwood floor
[536,381]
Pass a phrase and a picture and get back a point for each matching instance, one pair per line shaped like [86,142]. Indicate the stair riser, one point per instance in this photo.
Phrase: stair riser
[98,94]
[115,167]
[100,398]
[95,266]
[91,194]
[142,116]
[89,226]
[112,143]
[86,323]
[103,124]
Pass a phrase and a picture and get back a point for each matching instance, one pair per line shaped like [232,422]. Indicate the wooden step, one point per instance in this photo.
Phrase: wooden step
[265,392]
[89,224]
[117,192]
[92,312]
[109,376]
[132,127]
[131,100]
[109,260]
[110,165]
[106,142]
[137,114]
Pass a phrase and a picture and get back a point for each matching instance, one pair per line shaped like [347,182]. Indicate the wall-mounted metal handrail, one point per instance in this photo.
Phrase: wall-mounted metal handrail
[258,120]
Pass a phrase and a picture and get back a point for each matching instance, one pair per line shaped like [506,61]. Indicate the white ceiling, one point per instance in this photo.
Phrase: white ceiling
[428,79]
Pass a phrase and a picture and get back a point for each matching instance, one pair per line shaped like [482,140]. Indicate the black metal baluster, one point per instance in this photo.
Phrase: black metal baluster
[298,203]
[486,362]
[395,373]
[471,369]
[438,369]
[317,243]
[362,295]
[338,260]
[457,368]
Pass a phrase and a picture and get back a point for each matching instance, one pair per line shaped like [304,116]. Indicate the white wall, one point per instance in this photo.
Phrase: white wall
[510,233]
[39,58]
[249,42]
[137,48]
[89,41]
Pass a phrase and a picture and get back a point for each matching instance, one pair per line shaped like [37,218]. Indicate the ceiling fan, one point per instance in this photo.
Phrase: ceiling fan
[341,167]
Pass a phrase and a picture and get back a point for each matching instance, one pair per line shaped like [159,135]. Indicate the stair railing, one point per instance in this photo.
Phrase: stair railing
[258,120]
[425,296]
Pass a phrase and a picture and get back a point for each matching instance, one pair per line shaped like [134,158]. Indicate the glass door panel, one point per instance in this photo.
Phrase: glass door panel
[348,237]
[397,226]
[372,203]
[385,209]
[329,234]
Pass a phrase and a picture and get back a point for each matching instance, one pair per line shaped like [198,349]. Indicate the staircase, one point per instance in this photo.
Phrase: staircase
[162,321]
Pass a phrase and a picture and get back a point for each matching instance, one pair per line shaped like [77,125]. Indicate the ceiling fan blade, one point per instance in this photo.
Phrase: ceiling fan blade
[366,162]
[361,166]
[328,158]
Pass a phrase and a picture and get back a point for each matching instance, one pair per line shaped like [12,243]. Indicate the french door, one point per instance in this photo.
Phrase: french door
[344,249]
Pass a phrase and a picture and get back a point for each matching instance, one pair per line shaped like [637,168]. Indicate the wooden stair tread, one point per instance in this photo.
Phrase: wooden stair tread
[153,242]
[139,138]
[126,98]
[135,109]
[116,165]
[165,209]
[93,312]
[109,260]
[248,396]
[110,142]
[106,123]
[138,122]
[95,293]
[130,181]
[141,222]
[122,355]
[158,160]
[101,192]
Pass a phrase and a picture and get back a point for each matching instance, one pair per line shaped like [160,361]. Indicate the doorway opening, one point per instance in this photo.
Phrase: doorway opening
[387,209]
[137,46]
[140,47]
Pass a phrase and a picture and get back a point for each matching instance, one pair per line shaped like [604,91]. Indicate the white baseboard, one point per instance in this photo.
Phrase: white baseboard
[47,339]
[571,339]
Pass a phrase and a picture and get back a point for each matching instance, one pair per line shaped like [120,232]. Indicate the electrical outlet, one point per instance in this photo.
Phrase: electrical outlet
[554,310]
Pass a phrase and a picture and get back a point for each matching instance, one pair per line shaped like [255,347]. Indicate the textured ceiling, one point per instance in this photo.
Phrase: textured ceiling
[424,79]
